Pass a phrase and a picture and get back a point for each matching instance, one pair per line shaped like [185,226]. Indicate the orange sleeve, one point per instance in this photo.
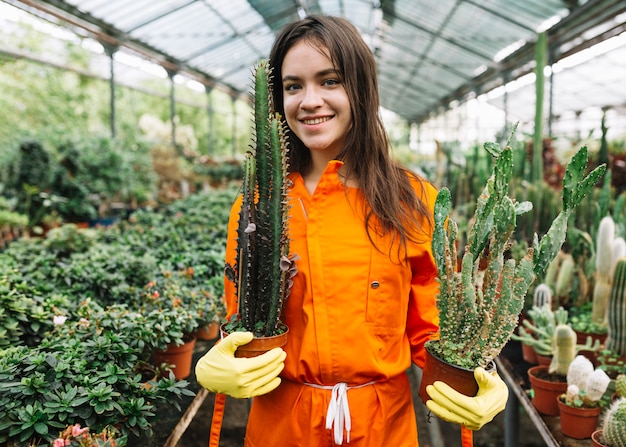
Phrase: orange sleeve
[423,315]
[230,292]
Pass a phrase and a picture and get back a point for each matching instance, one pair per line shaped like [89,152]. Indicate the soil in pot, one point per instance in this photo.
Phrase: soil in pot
[260,345]
[461,379]
[546,388]
[578,422]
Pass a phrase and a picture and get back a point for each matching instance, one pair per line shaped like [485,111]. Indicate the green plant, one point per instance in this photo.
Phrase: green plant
[620,385]
[616,311]
[478,316]
[262,270]
[83,372]
[614,424]
[604,261]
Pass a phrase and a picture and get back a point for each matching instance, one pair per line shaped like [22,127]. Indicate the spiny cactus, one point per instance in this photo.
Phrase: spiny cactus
[604,258]
[616,311]
[542,296]
[620,385]
[614,424]
[585,386]
[263,270]
[477,319]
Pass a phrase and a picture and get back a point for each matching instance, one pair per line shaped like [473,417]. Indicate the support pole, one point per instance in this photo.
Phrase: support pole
[171,74]
[110,50]
[234,130]
[209,109]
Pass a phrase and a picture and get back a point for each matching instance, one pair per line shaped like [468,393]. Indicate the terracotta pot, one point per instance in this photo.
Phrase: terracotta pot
[578,423]
[461,379]
[259,345]
[544,360]
[596,439]
[528,354]
[545,392]
[180,357]
[209,332]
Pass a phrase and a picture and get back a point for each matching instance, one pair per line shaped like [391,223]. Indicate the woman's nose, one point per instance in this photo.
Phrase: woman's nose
[312,98]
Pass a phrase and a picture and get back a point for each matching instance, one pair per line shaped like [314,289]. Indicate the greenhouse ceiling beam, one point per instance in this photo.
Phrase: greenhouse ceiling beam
[521,62]
[103,32]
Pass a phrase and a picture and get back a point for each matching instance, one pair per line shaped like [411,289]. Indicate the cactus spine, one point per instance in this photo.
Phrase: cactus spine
[263,270]
[477,318]
[614,424]
[616,311]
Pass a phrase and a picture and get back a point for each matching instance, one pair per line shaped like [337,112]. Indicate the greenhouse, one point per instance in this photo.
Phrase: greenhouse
[164,188]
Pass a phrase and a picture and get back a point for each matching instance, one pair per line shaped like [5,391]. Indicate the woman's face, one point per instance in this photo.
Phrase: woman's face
[316,104]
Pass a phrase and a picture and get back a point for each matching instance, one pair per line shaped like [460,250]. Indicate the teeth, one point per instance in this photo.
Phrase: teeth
[316,120]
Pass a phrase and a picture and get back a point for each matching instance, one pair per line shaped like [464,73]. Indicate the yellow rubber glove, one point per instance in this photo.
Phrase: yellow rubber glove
[471,412]
[221,372]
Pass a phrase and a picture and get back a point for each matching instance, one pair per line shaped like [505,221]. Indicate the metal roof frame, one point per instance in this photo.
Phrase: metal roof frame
[430,53]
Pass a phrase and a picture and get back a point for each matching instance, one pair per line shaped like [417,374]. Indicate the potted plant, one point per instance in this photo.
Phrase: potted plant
[580,406]
[613,431]
[262,270]
[479,313]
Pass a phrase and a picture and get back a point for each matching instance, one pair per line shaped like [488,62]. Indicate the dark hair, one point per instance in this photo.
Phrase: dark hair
[386,185]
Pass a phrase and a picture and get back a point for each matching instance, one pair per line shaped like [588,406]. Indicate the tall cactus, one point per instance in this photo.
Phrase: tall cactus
[263,270]
[477,320]
[604,260]
[616,311]
[614,424]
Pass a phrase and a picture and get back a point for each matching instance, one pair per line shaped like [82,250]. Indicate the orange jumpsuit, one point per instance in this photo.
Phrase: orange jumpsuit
[354,317]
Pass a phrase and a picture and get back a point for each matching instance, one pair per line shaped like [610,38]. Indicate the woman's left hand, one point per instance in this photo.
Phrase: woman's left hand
[471,412]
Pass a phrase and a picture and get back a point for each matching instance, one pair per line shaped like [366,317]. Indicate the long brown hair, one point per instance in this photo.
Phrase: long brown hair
[366,156]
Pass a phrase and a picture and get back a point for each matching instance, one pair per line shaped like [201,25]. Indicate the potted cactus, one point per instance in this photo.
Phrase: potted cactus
[479,310]
[613,431]
[580,406]
[262,269]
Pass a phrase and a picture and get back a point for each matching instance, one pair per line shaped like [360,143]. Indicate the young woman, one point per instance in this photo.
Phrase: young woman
[363,301]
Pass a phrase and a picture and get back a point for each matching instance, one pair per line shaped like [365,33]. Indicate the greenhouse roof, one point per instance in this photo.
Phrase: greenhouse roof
[430,53]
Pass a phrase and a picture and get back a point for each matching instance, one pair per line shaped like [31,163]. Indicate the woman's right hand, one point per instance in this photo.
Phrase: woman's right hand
[220,371]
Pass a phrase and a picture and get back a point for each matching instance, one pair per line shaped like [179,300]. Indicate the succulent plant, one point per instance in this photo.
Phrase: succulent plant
[616,311]
[542,295]
[604,258]
[585,386]
[620,385]
[263,270]
[478,317]
[614,424]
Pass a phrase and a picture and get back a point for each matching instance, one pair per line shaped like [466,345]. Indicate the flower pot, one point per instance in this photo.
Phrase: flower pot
[597,439]
[180,357]
[259,345]
[529,354]
[543,360]
[461,379]
[545,391]
[578,423]
[209,332]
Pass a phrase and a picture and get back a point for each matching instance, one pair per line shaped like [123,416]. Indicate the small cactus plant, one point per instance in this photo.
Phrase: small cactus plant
[263,270]
[542,296]
[616,311]
[604,259]
[614,424]
[478,317]
[620,385]
[585,386]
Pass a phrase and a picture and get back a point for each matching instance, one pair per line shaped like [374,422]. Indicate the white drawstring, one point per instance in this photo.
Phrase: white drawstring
[338,413]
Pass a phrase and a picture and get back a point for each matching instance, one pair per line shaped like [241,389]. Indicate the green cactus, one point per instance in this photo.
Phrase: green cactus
[262,271]
[542,296]
[478,317]
[620,385]
[604,259]
[614,424]
[563,349]
[616,311]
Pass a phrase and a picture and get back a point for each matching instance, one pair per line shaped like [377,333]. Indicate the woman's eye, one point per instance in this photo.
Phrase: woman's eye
[291,87]
[331,82]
